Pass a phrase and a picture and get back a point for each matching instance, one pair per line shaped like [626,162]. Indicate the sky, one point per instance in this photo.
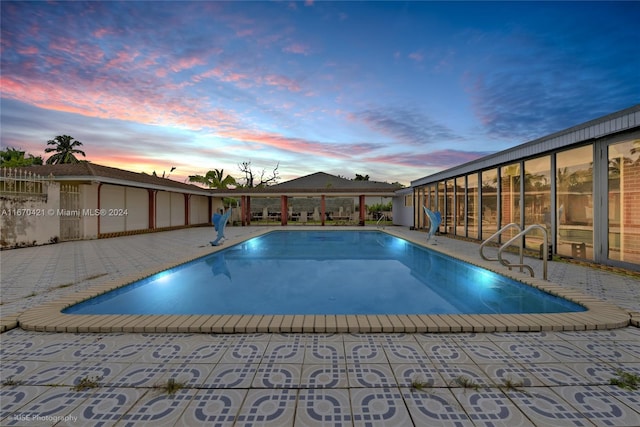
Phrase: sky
[393,90]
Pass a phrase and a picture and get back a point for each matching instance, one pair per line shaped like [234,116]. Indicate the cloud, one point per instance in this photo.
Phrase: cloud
[409,126]
[441,159]
[417,56]
[297,48]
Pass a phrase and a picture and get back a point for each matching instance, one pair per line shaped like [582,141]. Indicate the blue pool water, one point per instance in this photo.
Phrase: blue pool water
[325,272]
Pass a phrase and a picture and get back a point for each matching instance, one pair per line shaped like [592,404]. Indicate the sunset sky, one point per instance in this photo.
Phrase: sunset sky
[395,90]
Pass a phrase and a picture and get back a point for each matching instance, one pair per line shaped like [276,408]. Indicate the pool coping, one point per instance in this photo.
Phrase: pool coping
[48,317]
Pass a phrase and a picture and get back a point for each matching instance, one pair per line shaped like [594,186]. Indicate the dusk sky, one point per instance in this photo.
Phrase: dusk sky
[395,90]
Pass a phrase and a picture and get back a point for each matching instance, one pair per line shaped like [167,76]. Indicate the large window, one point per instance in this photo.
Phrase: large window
[574,202]
[472,206]
[489,203]
[459,208]
[449,210]
[510,198]
[624,201]
[441,206]
[537,198]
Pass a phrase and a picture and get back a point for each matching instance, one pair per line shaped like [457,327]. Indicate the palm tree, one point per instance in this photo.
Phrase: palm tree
[64,150]
[214,179]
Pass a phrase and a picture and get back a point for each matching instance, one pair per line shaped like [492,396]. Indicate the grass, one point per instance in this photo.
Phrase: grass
[171,386]
[466,382]
[626,380]
[9,381]
[87,383]
[419,385]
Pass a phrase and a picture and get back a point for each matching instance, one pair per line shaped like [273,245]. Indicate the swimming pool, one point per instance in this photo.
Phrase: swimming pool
[325,273]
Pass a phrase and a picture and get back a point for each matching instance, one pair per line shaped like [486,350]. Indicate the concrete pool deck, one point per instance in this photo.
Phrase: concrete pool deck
[544,377]
[48,317]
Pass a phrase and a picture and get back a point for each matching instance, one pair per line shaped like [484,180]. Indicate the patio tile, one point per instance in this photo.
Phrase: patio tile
[472,351]
[324,376]
[190,374]
[157,408]
[545,408]
[524,352]
[141,375]
[490,407]
[502,373]
[17,369]
[106,406]
[407,373]
[435,408]
[454,374]
[48,408]
[323,408]
[446,352]
[277,375]
[371,375]
[368,351]
[244,352]
[599,406]
[609,351]
[284,352]
[14,398]
[556,374]
[213,408]
[567,352]
[379,407]
[324,352]
[268,408]
[231,375]
[405,352]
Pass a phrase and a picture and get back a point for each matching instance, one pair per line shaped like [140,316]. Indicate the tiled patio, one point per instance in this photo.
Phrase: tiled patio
[544,378]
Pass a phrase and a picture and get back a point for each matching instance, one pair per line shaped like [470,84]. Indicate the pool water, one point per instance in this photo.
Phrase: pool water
[325,272]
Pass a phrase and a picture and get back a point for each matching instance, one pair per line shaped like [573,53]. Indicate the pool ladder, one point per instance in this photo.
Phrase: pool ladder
[383,216]
[521,233]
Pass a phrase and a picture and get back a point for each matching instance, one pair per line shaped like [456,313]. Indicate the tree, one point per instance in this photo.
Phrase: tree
[12,157]
[265,181]
[214,179]
[361,177]
[64,150]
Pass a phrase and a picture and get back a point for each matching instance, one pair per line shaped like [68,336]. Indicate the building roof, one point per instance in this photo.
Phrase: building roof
[324,183]
[86,171]
[315,183]
[621,121]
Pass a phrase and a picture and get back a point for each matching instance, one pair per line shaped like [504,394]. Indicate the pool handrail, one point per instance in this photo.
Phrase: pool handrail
[496,234]
[545,250]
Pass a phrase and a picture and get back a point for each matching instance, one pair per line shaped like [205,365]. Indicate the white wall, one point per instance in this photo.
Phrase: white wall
[198,210]
[163,209]
[177,209]
[28,220]
[112,198]
[137,206]
[402,215]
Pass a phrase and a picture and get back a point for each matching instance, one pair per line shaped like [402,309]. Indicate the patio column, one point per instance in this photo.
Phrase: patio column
[187,210]
[323,209]
[362,210]
[152,209]
[284,210]
[248,211]
[243,208]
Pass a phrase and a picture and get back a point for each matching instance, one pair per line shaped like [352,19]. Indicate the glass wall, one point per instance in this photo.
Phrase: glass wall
[624,201]
[441,206]
[574,202]
[459,207]
[473,197]
[509,198]
[537,199]
[449,210]
[489,203]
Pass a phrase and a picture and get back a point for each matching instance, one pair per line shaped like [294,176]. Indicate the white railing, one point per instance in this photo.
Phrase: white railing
[14,181]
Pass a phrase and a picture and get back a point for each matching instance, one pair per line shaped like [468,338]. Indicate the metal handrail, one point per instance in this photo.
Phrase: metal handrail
[496,234]
[382,216]
[545,250]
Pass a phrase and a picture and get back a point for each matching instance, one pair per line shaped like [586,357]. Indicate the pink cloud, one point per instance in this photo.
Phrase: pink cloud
[31,50]
[186,63]
[417,56]
[282,82]
[297,48]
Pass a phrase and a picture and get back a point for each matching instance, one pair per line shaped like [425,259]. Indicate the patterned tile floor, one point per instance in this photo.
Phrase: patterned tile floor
[497,379]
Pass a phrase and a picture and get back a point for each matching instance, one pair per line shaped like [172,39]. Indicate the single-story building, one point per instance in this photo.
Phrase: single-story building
[582,184]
